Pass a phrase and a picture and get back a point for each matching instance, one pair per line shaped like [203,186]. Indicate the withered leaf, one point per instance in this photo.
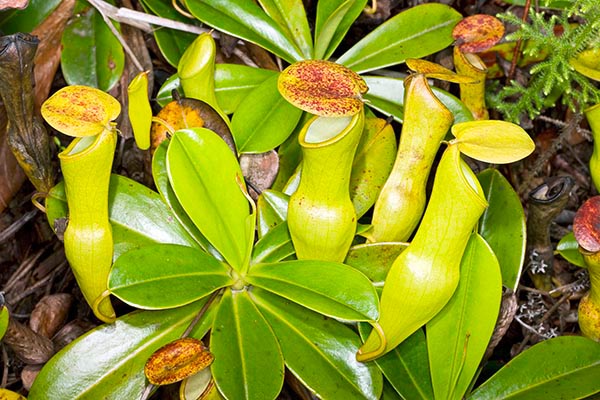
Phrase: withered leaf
[477,33]
[9,4]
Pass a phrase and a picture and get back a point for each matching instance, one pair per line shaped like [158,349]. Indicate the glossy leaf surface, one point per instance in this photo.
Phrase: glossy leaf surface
[139,110]
[234,82]
[276,245]
[161,181]
[246,20]
[502,225]
[137,214]
[374,259]
[264,119]
[172,43]
[414,33]
[115,355]
[559,368]
[334,18]
[497,142]
[80,110]
[211,197]
[91,54]
[248,361]
[319,351]
[27,19]
[315,285]
[406,367]
[458,335]
[372,163]
[166,276]
[271,210]
[569,249]
[322,88]
[387,95]
[291,18]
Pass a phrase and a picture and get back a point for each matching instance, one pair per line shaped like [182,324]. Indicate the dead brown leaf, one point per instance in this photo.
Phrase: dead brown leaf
[8,4]
[11,174]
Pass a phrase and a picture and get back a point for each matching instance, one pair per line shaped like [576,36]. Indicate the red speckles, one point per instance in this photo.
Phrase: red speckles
[477,33]
[323,88]
[586,225]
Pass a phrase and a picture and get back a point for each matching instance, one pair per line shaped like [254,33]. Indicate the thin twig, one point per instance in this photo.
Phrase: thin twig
[585,132]
[5,364]
[201,313]
[517,51]
[17,225]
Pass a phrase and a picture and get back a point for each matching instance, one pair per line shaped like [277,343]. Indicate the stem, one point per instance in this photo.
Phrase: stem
[201,313]
[517,51]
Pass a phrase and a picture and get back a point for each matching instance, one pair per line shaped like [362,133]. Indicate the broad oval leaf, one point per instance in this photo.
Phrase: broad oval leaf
[166,276]
[322,88]
[91,54]
[271,209]
[414,33]
[372,163]
[27,19]
[248,361]
[387,95]
[334,18]
[176,361]
[4,319]
[161,181]
[497,142]
[246,20]
[276,245]
[291,18]
[502,225]
[115,354]
[406,367]
[172,43]
[137,214]
[319,351]
[80,110]
[477,33]
[211,197]
[566,367]
[568,248]
[264,119]
[586,63]
[374,259]
[457,336]
[234,82]
[315,285]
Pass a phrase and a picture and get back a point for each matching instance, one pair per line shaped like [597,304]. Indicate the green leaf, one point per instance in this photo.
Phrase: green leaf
[271,209]
[171,43]
[246,20]
[387,96]
[161,181]
[406,367]
[372,163]
[316,285]
[137,214]
[234,82]
[334,18]
[164,95]
[457,336]
[502,225]
[417,32]
[321,352]
[274,246]
[114,356]
[264,119]
[29,18]
[565,367]
[374,259]
[211,196]
[166,276]
[4,318]
[568,248]
[91,54]
[248,362]
[291,17]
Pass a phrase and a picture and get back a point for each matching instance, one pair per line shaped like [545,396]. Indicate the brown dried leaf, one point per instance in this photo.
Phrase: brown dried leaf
[50,314]
[28,346]
[586,225]
[189,113]
[176,361]
[11,175]
[8,4]
[28,375]
[477,33]
[322,88]
[260,170]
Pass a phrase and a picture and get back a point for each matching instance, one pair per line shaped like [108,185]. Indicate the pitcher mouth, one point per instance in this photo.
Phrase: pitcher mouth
[81,146]
[472,186]
[333,129]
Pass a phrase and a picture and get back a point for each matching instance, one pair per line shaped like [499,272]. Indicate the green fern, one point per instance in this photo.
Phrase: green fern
[554,74]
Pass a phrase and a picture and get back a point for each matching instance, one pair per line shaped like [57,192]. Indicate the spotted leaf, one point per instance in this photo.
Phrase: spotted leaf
[477,33]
